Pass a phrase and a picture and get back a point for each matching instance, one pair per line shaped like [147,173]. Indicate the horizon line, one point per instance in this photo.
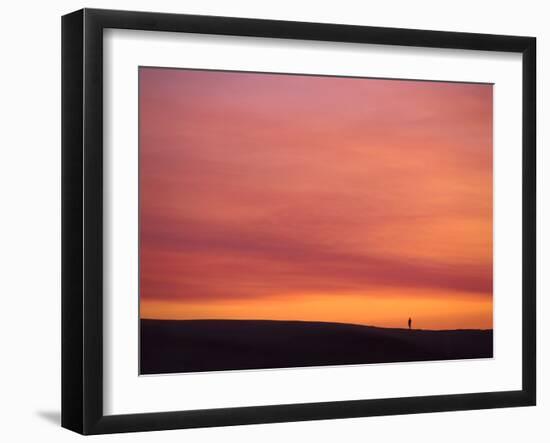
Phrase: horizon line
[311,321]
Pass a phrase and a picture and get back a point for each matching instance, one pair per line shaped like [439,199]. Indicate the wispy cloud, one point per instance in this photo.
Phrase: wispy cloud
[258,186]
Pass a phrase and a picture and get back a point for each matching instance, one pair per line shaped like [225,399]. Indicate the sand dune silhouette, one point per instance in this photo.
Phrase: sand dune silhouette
[172,346]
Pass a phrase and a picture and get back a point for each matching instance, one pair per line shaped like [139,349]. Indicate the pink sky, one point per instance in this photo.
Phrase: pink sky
[306,197]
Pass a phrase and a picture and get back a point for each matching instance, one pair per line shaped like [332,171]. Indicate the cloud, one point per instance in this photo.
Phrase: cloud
[254,186]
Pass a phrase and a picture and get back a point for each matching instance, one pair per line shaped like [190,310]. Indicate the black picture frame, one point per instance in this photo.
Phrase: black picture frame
[82,218]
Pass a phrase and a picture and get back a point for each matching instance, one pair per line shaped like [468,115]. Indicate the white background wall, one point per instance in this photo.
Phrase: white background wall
[30,219]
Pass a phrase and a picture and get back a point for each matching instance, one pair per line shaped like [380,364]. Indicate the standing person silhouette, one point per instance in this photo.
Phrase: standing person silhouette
[410,322]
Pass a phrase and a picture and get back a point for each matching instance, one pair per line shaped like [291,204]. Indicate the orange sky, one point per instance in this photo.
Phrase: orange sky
[315,198]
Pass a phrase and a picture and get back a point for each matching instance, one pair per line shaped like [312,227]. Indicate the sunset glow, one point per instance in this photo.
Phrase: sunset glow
[293,197]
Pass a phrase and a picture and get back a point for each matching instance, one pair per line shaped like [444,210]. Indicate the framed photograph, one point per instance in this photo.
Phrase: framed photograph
[269,221]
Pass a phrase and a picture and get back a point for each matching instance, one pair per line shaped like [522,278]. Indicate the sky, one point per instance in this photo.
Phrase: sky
[294,197]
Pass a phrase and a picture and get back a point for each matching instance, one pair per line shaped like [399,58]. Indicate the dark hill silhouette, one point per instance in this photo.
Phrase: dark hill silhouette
[169,346]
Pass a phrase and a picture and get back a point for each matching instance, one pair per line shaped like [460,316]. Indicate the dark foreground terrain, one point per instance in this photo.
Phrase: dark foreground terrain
[169,346]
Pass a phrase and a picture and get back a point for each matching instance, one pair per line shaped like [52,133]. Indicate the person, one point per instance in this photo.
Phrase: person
[410,322]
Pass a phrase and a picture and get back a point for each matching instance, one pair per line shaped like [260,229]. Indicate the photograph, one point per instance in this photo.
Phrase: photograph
[294,220]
